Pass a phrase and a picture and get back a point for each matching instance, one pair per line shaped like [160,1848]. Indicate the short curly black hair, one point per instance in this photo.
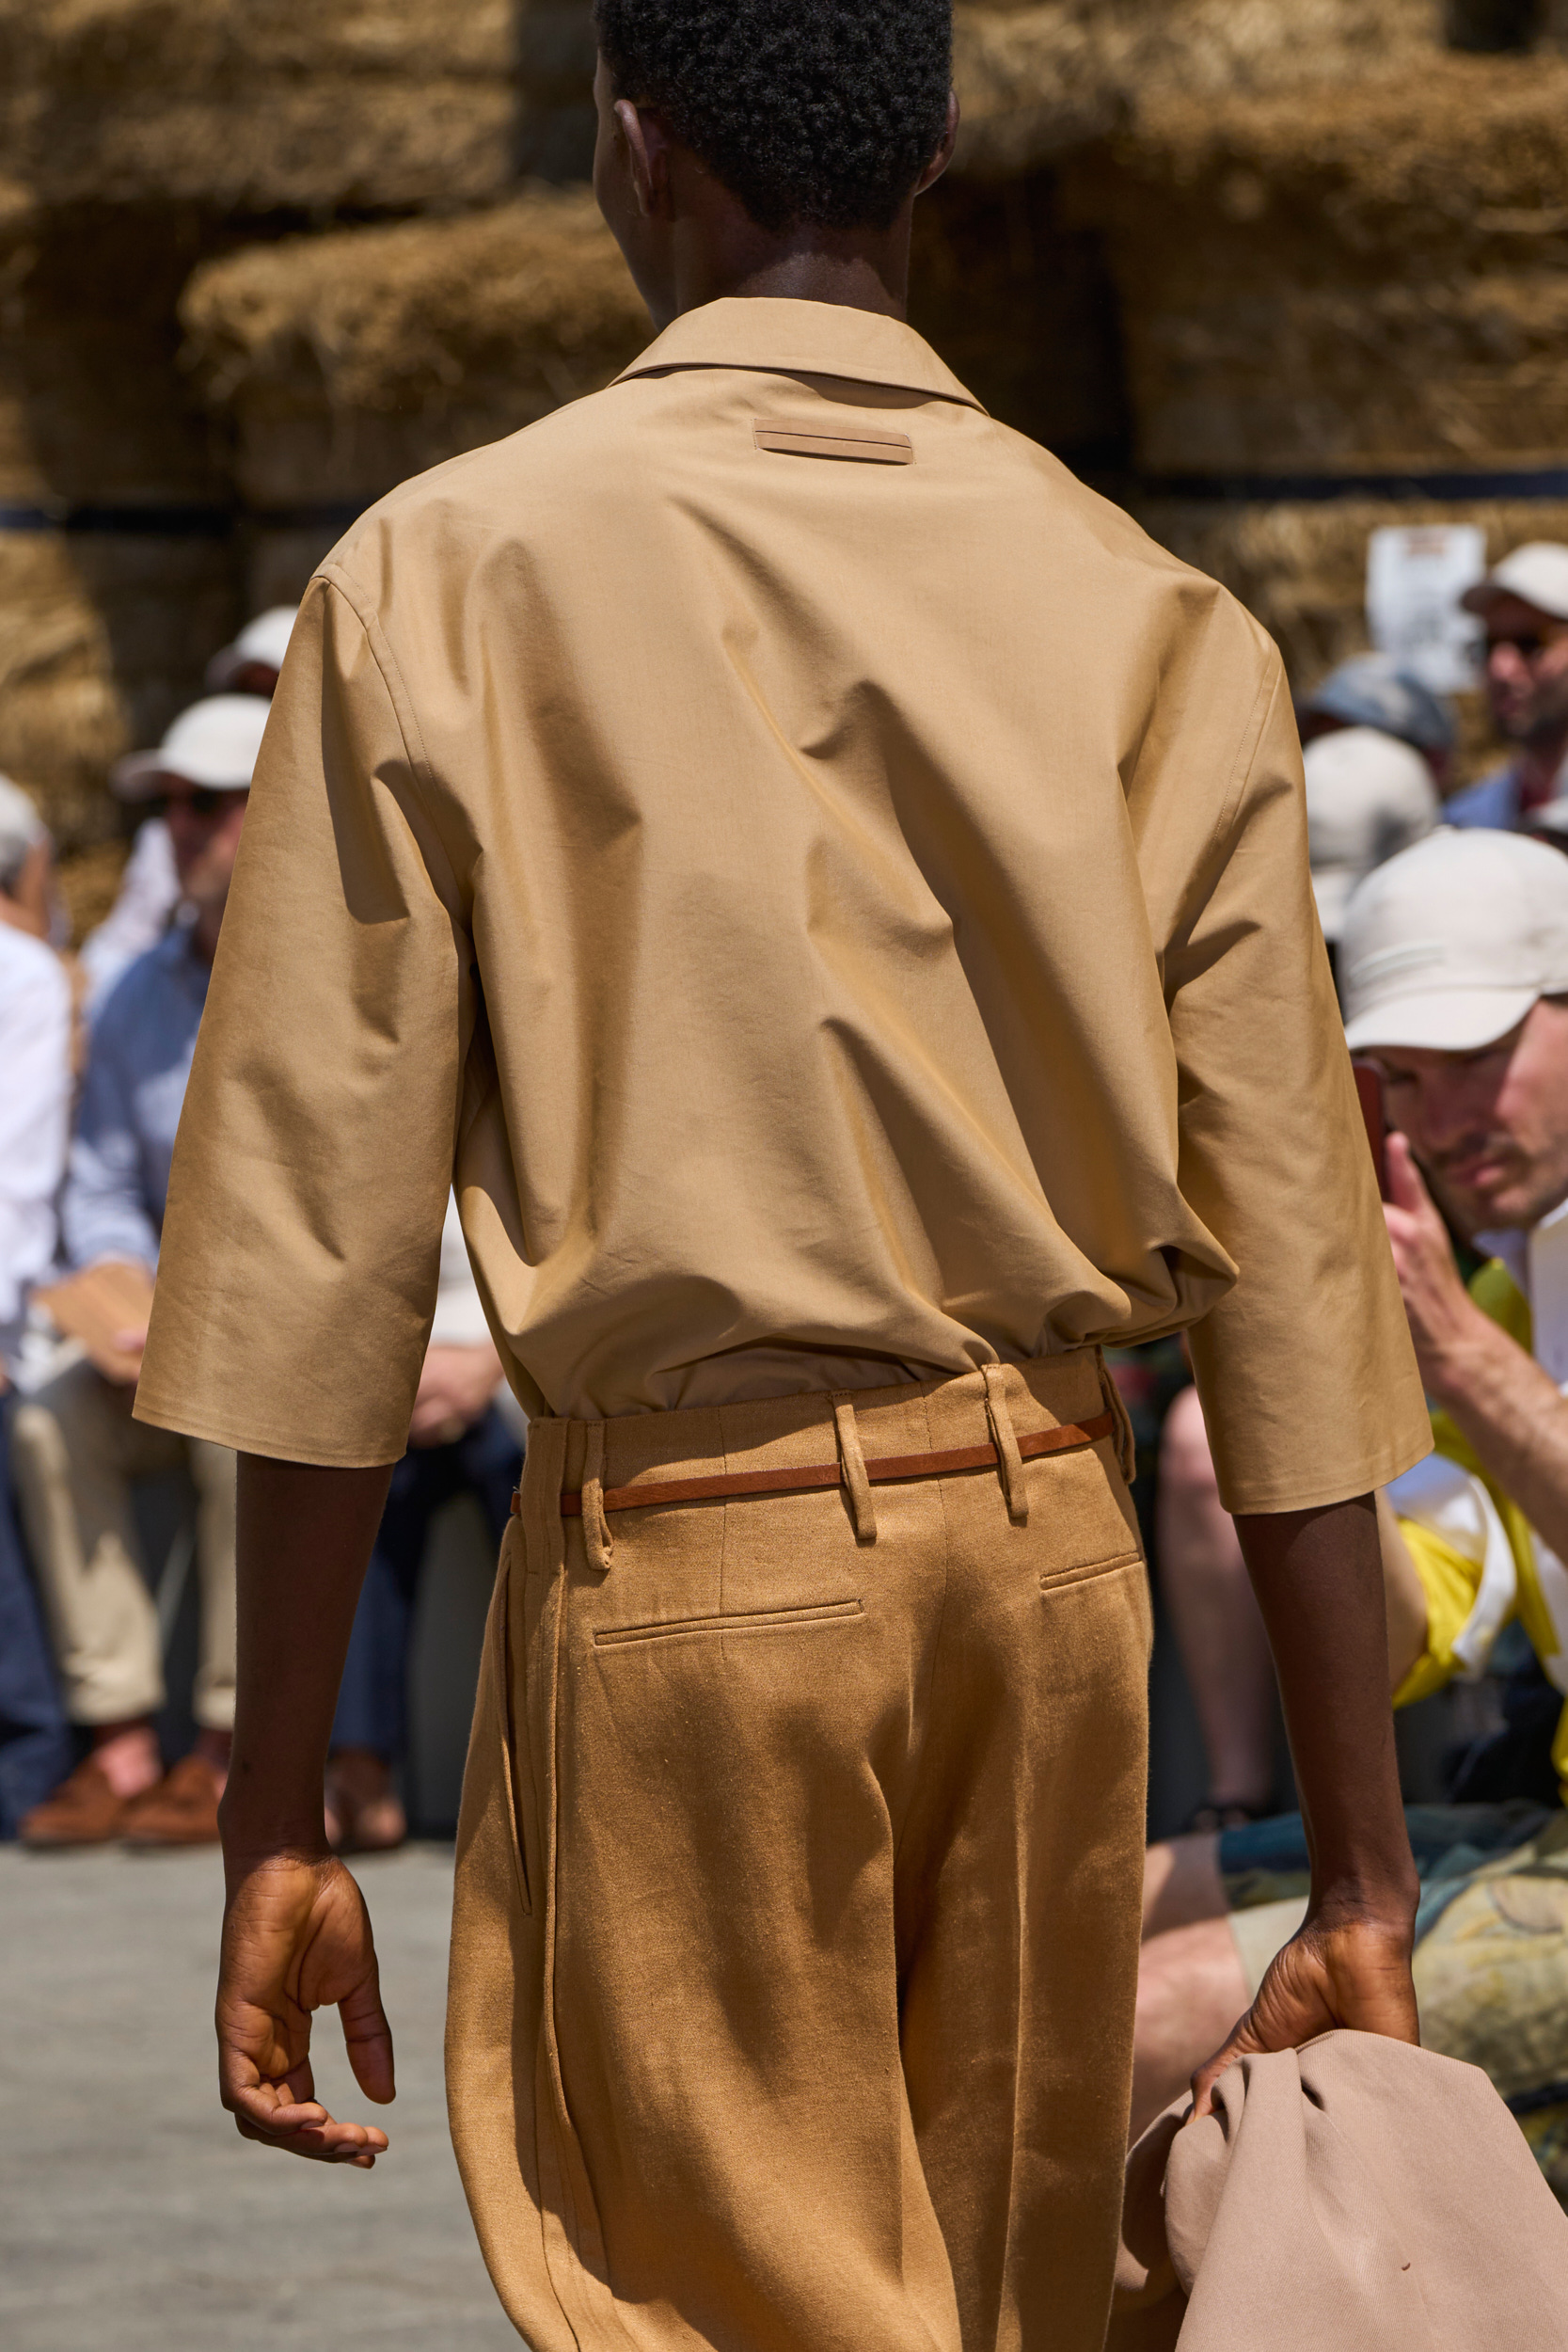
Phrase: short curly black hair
[825,111]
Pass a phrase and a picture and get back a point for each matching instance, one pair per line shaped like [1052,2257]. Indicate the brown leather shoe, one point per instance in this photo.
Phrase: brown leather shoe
[81,1811]
[183,1809]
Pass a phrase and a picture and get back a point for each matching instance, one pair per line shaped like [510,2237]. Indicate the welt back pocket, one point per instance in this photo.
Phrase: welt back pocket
[1054,1579]
[749,1621]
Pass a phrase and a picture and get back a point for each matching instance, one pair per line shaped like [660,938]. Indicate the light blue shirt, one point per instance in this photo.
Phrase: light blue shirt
[1493,803]
[138,1063]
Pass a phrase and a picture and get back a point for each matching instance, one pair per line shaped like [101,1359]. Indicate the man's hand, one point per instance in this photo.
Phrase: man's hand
[455,1389]
[1355,1972]
[1444,1321]
[1319,1579]
[296,1937]
[130,1344]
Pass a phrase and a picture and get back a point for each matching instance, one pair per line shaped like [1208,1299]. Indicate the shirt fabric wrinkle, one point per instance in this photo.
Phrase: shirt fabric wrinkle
[806,936]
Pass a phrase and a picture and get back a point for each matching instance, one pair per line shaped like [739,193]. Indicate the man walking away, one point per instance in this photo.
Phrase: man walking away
[834,901]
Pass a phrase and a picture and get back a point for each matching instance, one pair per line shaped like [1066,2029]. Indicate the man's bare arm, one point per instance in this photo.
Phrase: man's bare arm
[1496,1394]
[297,1936]
[1319,1579]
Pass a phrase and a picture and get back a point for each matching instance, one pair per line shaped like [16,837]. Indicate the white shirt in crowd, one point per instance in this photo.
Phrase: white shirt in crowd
[35,1112]
[459,1317]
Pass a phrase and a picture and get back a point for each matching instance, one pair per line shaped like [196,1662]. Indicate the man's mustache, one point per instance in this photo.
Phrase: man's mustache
[1486,1143]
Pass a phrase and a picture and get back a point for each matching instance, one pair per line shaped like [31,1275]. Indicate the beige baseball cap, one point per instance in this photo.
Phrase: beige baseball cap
[213,744]
[1536,574]
[1450,944]
[1367,797]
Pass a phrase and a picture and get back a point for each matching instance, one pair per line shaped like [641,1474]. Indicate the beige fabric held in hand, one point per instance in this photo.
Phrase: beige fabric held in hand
[1353,2194]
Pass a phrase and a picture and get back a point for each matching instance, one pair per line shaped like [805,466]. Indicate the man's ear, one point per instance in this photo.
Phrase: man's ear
[648,150]
[943,155]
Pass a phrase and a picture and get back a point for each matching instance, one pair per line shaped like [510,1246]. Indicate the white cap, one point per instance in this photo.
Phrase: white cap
[21,830]
[1367,797]
[1536,574]
[213,743]
[1450,944]
[265,640]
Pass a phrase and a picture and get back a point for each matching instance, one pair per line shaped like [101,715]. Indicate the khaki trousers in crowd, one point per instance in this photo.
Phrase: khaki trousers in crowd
[75,1452]
[796,1929]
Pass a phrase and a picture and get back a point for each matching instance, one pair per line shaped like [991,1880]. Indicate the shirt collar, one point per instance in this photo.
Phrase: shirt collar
[782,337]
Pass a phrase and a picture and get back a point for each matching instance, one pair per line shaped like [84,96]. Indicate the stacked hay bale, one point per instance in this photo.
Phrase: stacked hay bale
[345,363]
[140,137]
[1373,298]
[260,261]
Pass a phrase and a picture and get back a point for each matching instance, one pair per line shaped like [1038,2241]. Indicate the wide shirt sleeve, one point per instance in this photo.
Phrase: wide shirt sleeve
[1305,1366]
[311,1169]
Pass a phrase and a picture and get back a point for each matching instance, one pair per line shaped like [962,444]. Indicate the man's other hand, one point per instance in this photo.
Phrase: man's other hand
[1443,1316]
[455,1390]
[1354,1973]
[296,1937]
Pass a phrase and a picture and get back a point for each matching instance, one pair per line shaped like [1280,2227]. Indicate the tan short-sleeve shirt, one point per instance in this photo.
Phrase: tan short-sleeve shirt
[830,895]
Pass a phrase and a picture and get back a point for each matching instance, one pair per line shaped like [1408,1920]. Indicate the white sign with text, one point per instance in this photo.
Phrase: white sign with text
[1416,575]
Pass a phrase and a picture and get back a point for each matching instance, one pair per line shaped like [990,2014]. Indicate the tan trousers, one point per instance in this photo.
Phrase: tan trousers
[75,1452]
[796,1930]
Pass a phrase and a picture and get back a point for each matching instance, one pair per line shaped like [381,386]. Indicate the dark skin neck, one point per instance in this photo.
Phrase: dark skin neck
[688,241]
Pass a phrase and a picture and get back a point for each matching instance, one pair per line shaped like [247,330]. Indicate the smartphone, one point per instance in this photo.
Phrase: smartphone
[1369,1086]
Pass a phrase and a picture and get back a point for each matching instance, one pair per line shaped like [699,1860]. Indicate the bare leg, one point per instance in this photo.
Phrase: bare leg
[1183,1883]
[1218,1629]
[1192,1988]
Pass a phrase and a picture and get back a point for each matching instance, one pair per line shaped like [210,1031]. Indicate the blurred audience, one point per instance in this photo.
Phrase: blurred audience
[464,1438]
[35,1108]
[1456,981]
[149,888]
[1369,795]
[76,1448]
[1524,605]
[254,663]
[1371,691]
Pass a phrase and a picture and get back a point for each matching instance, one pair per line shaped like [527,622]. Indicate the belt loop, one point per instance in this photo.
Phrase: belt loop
[1127,1445]
[595,1526]
[851,1463]
[1015,1481]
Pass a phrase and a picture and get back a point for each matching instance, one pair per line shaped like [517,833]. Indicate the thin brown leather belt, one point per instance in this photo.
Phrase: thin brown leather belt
[890,1469]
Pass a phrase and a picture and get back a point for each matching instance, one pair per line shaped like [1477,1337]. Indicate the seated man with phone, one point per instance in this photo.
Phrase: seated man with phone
[1454,968]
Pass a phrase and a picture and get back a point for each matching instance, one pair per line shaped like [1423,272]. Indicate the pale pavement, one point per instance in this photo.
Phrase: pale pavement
[132,2217]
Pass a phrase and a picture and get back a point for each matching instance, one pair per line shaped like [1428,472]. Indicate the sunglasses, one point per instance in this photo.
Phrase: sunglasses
[1525,642]
[201,800]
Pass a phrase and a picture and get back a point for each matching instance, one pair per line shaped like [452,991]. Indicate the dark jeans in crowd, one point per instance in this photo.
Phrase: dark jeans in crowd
[372,1704]
[36,1747]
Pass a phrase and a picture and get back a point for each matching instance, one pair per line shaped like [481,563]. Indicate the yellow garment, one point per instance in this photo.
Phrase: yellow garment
[1450,1579]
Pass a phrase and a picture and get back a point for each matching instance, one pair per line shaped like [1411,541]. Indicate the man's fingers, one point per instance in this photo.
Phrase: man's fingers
[370,2039]
[1405,1186]
[328,2142]
[303,2127]
[1238,2043]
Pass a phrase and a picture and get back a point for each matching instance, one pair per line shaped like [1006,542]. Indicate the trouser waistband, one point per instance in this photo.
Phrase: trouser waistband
[1003,1415]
